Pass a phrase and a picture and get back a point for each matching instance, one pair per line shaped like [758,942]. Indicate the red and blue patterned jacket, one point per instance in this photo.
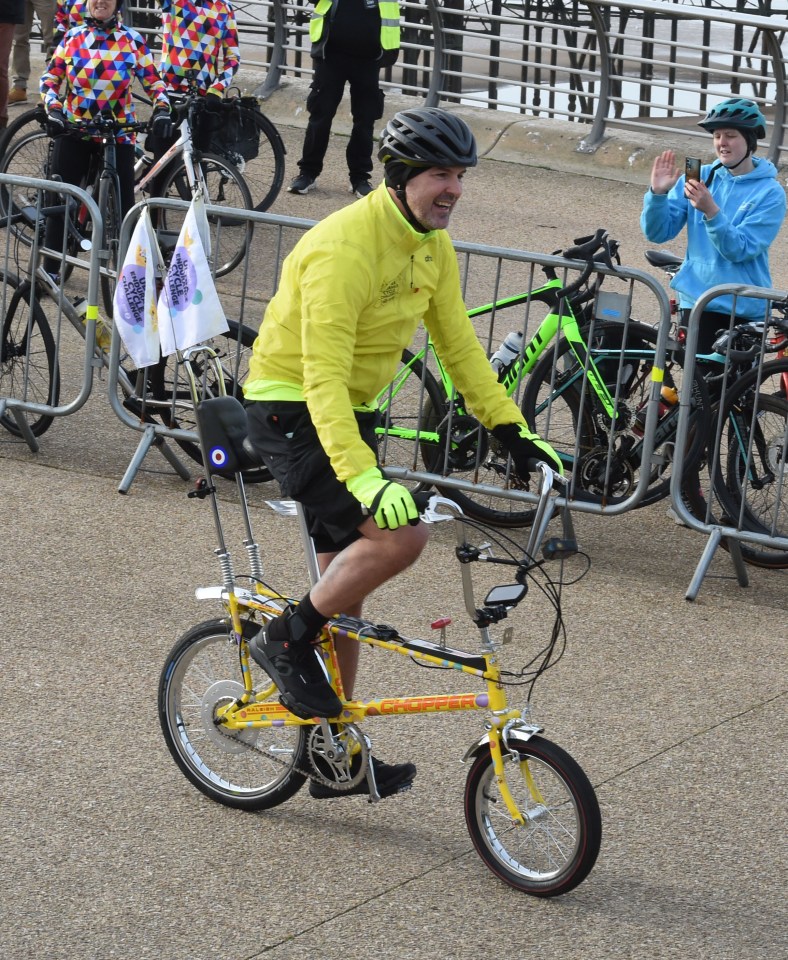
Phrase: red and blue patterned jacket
[97,65]
[199,36]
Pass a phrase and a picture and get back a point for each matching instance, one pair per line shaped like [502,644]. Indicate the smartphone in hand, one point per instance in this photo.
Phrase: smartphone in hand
[692,168]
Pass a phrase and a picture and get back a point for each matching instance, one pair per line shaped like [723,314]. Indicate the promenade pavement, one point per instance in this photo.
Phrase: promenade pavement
[676,710]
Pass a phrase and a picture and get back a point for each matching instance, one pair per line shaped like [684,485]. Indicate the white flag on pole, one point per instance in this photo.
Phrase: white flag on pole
[135,295]
[189,309]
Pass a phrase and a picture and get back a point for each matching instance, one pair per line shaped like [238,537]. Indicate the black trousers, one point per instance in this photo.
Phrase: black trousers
[366,106]
[71,158]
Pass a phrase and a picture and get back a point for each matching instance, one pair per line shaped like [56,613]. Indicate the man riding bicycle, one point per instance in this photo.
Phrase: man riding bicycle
[352,294]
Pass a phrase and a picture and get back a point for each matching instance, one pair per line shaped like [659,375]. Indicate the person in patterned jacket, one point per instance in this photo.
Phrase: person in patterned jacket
[199,38]
[91,71]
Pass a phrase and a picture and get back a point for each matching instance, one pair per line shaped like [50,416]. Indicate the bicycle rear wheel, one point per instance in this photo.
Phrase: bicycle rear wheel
[264,174]
[252,769]
[226,187]
[564,409]
[418,426]
[557,846]
[28,360]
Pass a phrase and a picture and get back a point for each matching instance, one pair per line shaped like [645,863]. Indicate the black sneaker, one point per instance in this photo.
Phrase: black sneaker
[390,778]
[298,673]
[303,183]
[361,188]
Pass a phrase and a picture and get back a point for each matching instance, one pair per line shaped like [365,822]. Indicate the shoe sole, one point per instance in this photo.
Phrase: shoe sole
[305,191]
[285,698]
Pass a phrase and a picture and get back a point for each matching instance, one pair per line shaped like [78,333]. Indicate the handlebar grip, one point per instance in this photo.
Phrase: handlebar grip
[585,247]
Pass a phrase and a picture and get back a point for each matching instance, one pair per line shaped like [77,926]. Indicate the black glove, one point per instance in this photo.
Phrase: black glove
[57,124]
[525,447]
[161,123]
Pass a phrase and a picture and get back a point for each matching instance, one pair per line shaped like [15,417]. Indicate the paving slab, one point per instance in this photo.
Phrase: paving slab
[676,710]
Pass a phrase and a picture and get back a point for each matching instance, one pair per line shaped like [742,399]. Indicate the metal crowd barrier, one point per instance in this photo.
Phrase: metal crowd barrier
[488,274]
[647,65]
[49,341]
[743,479]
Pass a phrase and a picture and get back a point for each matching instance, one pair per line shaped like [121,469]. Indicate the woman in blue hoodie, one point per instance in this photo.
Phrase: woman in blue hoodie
[732,213]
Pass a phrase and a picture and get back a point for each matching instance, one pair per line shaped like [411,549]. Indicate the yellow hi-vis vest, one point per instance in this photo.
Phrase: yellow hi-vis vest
[389,22]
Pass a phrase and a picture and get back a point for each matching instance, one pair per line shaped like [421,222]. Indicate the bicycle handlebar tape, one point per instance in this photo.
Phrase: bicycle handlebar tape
[524,446]
[389,503]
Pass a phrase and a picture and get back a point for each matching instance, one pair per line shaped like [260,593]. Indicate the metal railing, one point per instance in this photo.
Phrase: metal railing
[603,64]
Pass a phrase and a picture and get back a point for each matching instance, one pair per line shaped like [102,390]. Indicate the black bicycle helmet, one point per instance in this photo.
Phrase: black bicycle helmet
[738,114]
[427,137]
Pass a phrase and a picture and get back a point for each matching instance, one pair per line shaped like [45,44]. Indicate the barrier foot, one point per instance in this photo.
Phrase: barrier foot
[24,428]
[150,438]
[703,564]
[715,537]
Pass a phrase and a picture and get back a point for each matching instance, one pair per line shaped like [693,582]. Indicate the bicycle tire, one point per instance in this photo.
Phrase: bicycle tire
[109,205]
[558,844]
[265,173]
[757,498]
[230,237]
[30,121]
[242,769]
[26,156]
[29,368]
[573,422]
[169,385]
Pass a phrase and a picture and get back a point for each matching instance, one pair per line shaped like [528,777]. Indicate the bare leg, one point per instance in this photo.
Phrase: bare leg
[351,575]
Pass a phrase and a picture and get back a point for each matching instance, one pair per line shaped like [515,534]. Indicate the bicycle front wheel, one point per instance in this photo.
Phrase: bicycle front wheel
[28,360]
[226,187]
[750,477]
[109,205]
[251,769]
[557,846]
[26,155]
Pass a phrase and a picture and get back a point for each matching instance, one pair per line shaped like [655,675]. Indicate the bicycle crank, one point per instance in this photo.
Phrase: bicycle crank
[339,754]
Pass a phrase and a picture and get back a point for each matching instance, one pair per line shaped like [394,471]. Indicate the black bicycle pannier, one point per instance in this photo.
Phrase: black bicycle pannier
[238,134]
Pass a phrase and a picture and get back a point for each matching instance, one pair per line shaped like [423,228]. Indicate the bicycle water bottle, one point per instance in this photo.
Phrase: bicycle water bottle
[668,398]
[505,356]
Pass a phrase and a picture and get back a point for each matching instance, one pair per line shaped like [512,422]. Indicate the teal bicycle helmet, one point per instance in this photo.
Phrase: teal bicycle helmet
[738,114]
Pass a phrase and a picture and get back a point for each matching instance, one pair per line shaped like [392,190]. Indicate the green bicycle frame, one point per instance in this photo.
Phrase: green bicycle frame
[561,317]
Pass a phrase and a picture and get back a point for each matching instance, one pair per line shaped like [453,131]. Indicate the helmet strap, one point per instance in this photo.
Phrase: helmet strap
[409,215]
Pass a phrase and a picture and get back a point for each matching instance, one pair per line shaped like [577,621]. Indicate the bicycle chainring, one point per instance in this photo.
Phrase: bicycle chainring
[342,763]
[593,467]
[468,443]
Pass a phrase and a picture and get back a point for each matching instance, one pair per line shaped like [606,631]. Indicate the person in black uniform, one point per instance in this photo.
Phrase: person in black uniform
[351,41]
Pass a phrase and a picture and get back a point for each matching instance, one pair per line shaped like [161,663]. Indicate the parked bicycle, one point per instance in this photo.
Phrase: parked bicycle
[584,386]
[181,173]
[30,348]
[530,810]
[741,479]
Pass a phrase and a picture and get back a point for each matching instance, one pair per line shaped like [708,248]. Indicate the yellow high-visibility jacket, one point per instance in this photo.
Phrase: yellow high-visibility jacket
[352,294]
[389,22]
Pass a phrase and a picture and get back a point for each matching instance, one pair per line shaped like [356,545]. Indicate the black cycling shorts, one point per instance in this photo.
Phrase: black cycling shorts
[283,433]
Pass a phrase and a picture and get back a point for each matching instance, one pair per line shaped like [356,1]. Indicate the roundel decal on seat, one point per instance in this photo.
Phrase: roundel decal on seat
[219,457]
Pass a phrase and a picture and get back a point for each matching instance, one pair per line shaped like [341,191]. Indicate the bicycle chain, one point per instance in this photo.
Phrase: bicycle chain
[313,774]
